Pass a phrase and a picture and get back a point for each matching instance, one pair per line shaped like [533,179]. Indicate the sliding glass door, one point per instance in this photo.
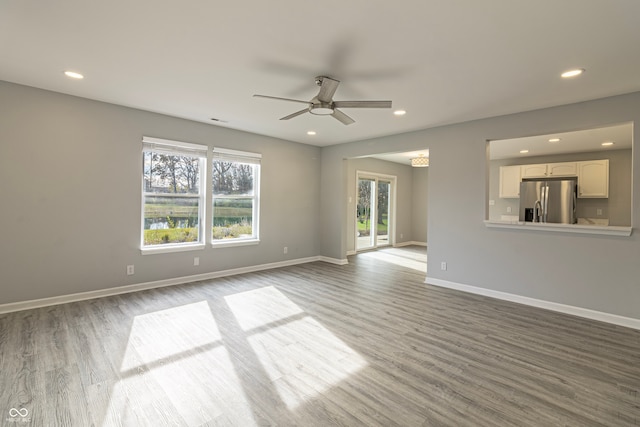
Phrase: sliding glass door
[374,211]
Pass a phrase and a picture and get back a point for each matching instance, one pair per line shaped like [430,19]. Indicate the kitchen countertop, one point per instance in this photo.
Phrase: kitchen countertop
[561,228]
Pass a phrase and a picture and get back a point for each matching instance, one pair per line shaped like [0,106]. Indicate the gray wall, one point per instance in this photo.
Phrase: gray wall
[617,208]
[420,202]
[70,170]
[404,192]
[593,272]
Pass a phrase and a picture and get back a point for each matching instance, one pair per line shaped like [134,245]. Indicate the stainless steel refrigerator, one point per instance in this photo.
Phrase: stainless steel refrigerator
[552,201]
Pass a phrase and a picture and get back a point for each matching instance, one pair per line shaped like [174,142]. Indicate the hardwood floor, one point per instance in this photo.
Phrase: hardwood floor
[366,344]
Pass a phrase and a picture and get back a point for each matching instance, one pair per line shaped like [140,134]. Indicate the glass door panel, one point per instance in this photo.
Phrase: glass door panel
[383,213]
[365,212]
[374,218]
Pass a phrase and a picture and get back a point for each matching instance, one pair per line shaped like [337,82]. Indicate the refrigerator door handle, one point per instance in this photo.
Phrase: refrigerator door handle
[546,203]
[537,211]
[543,197]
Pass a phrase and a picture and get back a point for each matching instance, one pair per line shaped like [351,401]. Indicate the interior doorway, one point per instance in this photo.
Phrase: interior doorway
[374,210]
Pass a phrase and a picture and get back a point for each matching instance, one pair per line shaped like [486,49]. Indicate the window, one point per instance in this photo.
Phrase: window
[236,192]
[173,194]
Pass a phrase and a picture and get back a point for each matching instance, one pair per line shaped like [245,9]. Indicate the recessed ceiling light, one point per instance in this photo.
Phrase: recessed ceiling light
[607,143]
[572,73]
[311,132]
[554,140]
[399,112]
[524,151]
[73,75]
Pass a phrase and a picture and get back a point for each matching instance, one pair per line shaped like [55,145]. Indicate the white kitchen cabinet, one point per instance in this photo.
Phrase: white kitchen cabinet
[562,169]
[593,179]
[549,170]
[509,182]
[533,171]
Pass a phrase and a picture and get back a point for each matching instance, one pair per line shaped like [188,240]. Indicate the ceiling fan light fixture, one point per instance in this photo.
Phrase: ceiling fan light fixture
[420,162]
[322,109]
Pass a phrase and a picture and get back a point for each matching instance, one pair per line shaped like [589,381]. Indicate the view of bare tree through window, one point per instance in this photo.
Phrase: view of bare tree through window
[233,199]
[171,198]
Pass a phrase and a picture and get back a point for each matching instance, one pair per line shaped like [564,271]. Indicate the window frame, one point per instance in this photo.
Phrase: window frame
[244,157]
[176,148]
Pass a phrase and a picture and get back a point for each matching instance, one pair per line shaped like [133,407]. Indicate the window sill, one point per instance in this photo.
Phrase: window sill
[172,248]
[561,228]
[232,243]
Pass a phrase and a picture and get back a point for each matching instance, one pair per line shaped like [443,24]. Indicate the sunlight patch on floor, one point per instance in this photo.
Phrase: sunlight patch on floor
[420,256]
[300,356]
[402,261]
[255,308]
[166,333]
[175,361]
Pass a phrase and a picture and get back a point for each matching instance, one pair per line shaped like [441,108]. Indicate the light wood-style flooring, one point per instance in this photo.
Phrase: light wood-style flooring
[365,344]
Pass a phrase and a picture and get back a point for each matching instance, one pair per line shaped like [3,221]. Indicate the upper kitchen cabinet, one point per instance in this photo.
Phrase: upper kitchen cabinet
[549,170]
[509,182]
[593,179]
[534,171]
[561,169]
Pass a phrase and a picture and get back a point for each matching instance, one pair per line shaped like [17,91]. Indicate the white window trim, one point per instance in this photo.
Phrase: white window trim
[163,249]
[170,147]
[243,157]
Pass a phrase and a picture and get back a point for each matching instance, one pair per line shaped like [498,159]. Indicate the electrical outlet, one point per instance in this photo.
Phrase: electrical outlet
[401,235]
[196,261]
[492,202]
[286,249]
[508,209]
[443,265]
[599,212]
[130,270]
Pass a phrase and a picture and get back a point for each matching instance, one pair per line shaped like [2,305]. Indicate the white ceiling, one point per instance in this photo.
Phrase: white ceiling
[585,140]
[443,61]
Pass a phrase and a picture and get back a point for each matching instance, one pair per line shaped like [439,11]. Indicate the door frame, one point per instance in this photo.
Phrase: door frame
[360,174]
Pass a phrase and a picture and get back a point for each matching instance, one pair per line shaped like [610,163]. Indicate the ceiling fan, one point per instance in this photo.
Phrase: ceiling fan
[323,104]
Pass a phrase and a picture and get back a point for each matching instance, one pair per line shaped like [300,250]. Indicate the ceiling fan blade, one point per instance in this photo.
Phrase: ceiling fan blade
[296,114]
[339,115]
[282,99]
[327,89]
[362,104]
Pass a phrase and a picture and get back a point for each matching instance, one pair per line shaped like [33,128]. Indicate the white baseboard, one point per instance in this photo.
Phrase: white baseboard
[336,261]
[81,296]
[411,243]
[628,322]
[349,253]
